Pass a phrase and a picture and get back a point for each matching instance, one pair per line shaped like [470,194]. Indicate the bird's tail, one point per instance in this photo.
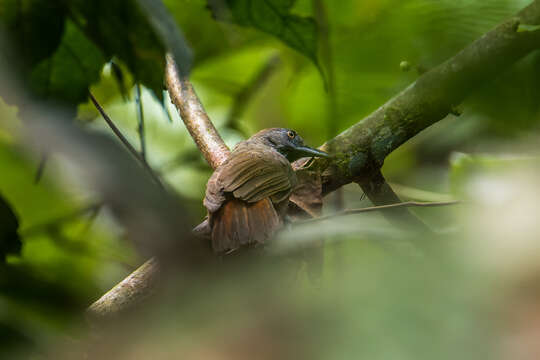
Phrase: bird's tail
[238,223]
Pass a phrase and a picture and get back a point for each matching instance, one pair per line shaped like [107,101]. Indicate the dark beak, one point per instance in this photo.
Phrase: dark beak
[304,151]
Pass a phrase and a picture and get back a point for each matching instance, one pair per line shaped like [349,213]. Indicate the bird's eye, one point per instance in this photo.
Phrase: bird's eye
[291,134]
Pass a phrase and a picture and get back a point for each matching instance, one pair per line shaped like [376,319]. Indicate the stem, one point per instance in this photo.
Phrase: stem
[125,141]
[140,121]
[381,208]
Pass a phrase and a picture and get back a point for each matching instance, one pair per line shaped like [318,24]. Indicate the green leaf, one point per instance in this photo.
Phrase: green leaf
[272,17]
[35,27]
[119,28]
[164,26]
[67,74]
[10,243]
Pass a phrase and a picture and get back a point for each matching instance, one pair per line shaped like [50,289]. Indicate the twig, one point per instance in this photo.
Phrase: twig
[381,194]
[125,141]
[246,94]
[140,121]
[380,208]
[194,116]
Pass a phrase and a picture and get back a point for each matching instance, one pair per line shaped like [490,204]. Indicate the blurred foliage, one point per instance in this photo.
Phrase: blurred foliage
[273,17]
[377,297]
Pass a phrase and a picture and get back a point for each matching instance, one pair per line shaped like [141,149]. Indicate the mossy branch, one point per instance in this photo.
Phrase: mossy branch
[361,149]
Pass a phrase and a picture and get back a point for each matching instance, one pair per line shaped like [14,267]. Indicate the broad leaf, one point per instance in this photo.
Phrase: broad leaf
[164,26]
[272,17]
[67,74]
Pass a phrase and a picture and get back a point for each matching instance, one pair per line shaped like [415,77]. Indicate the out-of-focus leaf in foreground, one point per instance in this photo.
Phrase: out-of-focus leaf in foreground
[58,48]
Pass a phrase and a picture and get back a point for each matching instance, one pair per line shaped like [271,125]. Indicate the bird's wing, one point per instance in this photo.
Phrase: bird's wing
[252,172]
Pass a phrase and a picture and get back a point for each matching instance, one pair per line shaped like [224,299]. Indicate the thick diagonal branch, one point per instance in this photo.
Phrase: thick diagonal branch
[361,149]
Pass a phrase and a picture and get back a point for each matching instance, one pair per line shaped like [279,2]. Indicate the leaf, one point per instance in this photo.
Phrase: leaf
[119,28]
[10,243]
[31,32]
[272,17]
[67,74]
[165,27]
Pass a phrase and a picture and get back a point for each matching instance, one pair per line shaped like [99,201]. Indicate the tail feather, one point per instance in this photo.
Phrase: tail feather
[238,223]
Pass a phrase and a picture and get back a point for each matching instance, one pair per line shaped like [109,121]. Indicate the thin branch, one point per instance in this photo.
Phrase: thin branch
[194,116]
[246,94]
[140,121]
[381,194]
[125,141]
[406,204]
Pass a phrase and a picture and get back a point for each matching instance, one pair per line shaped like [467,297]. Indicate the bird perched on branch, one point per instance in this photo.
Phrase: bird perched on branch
[247,195]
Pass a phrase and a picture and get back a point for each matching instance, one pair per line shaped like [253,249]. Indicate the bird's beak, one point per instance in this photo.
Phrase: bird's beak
[305,151]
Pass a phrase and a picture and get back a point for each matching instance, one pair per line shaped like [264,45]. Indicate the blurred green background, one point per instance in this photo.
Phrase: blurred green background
[377,302]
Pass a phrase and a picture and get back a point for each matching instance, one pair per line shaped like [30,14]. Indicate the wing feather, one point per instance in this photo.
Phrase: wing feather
[252,172]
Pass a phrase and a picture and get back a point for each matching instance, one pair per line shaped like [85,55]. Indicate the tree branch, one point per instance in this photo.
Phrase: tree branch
[360,150]
[380,193]
[125,141]
[194,116]
[383,208]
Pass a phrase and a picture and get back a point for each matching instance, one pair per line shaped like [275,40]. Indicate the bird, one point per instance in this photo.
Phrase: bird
[248,194]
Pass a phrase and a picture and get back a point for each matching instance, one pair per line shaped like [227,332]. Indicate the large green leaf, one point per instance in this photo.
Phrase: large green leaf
[34,26]
[59,62]
[67,74]
[273,17]
[119,28]
[164,26]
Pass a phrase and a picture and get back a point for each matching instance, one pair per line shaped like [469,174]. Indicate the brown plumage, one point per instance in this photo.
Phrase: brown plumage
[247,195]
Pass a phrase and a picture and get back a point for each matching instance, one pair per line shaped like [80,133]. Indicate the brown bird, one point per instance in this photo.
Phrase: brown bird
[247,195]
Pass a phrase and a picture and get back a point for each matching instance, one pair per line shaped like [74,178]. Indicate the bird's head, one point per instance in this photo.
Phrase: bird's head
[288,143]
